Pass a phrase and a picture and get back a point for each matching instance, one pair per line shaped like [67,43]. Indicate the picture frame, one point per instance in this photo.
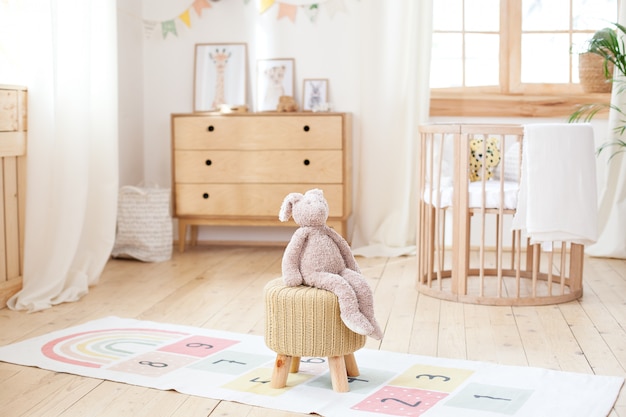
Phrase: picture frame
[314,94]
[275,78]
[220,75]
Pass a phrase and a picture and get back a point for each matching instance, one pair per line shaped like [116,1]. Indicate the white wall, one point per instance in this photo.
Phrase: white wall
[130,77]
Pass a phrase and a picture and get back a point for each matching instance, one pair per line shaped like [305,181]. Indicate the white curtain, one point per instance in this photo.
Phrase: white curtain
[395,99]
[611,241]
[72,174]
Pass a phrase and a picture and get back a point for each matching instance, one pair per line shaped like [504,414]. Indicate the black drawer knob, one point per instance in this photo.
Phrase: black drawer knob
[208,162]
[306,128]
[210,128]
[205,195]
[307,162]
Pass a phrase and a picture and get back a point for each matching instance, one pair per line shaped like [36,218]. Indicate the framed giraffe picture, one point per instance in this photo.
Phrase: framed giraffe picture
[220,76]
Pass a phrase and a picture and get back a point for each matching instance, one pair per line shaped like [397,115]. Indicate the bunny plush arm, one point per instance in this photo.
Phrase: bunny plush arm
[291,259]
[344,249]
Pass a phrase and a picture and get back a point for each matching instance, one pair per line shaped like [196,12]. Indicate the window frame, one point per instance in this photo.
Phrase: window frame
[512,98]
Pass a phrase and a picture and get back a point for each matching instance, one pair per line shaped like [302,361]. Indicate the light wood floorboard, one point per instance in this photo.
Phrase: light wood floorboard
[221,287]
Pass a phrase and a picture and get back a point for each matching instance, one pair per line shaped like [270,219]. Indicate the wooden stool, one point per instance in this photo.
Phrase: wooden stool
[304,321]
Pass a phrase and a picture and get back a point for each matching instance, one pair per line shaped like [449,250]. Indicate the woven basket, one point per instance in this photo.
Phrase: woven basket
[591,73]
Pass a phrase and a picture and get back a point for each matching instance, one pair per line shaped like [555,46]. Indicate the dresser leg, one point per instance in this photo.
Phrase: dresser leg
[182,235]
[193,236]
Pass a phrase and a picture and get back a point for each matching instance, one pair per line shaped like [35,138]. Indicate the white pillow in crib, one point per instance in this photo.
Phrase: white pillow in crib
[511,164]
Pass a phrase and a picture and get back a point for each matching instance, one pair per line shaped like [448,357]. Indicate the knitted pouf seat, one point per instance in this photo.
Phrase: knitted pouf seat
[304,321]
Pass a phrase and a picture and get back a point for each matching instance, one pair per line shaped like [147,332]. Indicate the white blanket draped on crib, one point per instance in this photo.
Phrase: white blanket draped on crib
[558,199]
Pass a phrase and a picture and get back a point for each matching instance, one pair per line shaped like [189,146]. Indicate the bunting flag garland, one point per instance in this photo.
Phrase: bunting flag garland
[168,26]
[312,11]
[335,6]
[265,4]
[185,18]
[149,26]
[198,5]
[288,9]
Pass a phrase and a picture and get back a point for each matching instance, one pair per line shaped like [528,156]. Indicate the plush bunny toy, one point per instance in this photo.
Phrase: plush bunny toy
[318,256]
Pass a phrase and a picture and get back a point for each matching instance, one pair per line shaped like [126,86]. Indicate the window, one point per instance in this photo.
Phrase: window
[488,53]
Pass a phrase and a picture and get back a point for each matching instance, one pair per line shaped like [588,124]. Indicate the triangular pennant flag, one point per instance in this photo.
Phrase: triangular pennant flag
[168,26]
[287,10]
[198,5]
[185,18]
[265,4]
[312,10]
[149,26]
[334,6]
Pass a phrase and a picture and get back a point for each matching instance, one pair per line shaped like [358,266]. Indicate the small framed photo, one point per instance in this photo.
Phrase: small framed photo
[275,78]
[220,75]
[314,94]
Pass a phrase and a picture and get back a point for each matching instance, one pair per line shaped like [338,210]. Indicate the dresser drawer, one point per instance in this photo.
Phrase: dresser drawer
[310,166]
[257,132]
[244,200]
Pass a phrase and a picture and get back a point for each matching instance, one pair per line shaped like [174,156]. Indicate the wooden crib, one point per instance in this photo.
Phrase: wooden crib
[468,180]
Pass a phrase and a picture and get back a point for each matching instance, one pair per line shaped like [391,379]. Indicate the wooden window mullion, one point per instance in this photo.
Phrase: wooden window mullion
[514,38]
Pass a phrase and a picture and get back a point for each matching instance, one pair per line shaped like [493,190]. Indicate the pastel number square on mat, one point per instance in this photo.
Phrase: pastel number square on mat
[432,378]
[231,362]
[199,346]
[258,382]
[153,364]
[399,401]
[367,382]
[503,400]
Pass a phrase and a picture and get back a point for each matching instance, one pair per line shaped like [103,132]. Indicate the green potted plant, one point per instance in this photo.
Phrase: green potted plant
[607,44]
[595,72]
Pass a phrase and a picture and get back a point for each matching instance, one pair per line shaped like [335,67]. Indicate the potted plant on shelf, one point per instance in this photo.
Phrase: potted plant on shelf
[609,47]
[595,72]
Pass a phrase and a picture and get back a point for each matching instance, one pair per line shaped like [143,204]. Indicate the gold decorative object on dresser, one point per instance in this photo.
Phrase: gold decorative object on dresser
[235,169]
[12,188]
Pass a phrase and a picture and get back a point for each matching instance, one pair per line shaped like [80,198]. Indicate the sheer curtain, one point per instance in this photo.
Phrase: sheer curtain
[72,179]
[395,74]
[611,241]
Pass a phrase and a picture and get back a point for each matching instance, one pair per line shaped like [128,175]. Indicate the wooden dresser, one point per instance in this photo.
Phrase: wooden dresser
[236,169]
[12,188]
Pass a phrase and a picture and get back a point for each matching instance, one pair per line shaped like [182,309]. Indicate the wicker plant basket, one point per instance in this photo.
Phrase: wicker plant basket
[591,73]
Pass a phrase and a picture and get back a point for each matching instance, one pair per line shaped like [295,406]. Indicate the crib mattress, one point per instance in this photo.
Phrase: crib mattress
[475,194]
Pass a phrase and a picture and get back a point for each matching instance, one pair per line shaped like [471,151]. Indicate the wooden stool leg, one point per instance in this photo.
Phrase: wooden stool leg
[338,377]
[352,368]
[295,365]
[281,371]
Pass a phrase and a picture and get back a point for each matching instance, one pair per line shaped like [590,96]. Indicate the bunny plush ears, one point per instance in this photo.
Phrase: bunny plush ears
[286,207]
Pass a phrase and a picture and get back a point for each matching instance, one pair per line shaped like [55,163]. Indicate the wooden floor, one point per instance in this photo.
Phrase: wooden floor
[221,288]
